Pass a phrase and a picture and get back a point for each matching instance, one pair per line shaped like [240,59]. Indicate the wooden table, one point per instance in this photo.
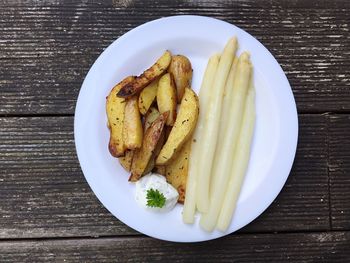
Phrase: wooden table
[47,210]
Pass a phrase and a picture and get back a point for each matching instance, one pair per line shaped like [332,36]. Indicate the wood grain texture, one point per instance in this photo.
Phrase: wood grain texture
[339,170]
[44,193]
[301,247]
[42,190]
[47,47]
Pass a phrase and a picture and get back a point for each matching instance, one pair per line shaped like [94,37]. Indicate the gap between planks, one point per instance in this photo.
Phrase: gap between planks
[139,235]
[44,115]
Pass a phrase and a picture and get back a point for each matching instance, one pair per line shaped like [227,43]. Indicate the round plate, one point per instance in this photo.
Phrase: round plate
[196,37]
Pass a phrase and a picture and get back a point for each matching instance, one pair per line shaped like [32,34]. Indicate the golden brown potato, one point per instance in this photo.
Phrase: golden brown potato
[166,97]
[146,77]
[126,160]
[132,132]
[115,107]
[151,115]
[147,96]
[177,170]
[167,131]
[161,141]
[144,154]
[181,69]
[160,169]
[149,166]
[184,126]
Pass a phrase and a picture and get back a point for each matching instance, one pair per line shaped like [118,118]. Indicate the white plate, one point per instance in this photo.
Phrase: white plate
[196,37]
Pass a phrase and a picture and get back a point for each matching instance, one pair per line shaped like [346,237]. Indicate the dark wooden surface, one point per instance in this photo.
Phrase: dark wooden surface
[47,210]
[302,247]
[339,168]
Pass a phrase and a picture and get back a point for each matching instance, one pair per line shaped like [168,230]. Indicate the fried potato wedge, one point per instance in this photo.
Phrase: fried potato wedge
[151,115]
[160,144]
[160,169]
[147,96]
[183,128]
[115,107]
[150,141]
[181,69]
[177,170]
[132,130]
[146,77]
[167,132]
[126,160]
[166,97]
[149,166]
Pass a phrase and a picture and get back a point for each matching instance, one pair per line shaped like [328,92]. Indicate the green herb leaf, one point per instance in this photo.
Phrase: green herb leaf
[155,198]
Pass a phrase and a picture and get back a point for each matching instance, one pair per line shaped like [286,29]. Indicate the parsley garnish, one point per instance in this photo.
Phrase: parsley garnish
[155,198]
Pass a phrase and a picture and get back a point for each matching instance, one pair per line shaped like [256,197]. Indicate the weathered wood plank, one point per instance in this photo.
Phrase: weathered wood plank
[44,193]
[339,170]
[47,47]
[301,247]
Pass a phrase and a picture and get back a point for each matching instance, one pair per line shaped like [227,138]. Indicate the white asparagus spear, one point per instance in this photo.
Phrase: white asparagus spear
[226,105]
[204,96]
[240,164]
[211,127]
[226,146]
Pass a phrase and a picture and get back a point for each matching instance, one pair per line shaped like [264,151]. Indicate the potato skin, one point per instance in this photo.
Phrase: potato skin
[160,169]
[132,130]
[183,128]
[149,166]
[126,160]
[140,82]
[143,155]
[166,97]
[181,69]
[115,108]
[147,96]
[151,115]
[177,171]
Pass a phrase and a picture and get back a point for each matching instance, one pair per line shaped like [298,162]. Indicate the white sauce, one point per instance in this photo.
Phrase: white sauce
[156,182]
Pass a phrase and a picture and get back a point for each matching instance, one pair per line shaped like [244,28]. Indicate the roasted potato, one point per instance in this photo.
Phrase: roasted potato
[181,69]
[166,97]
[147,96]
[177,170]
[160,143]
[140,82]
[183,128]
[149,166]
[115,107]
[151,115]
[126,160]
[144,154]
[160,169]
[132,130]
[167,131]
